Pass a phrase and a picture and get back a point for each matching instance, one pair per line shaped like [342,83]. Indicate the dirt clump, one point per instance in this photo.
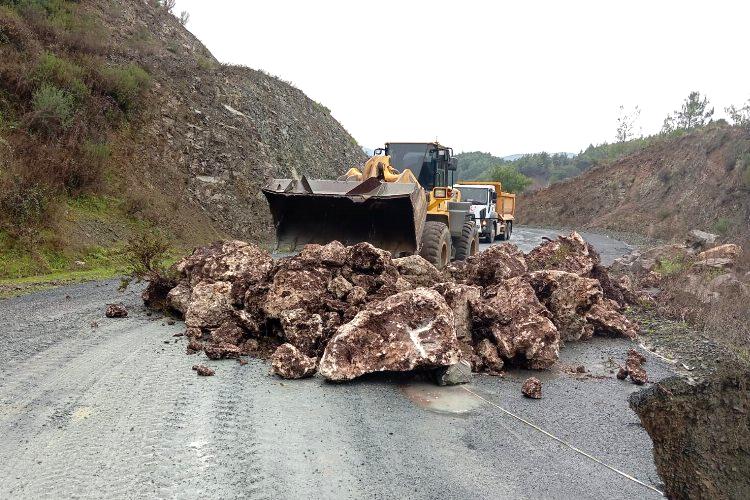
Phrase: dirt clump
[289,362]
[116,311]
[532,388]
[203,370]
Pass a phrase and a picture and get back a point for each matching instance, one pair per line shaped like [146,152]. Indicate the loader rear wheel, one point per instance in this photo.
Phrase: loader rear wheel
[436,244]
[468,244]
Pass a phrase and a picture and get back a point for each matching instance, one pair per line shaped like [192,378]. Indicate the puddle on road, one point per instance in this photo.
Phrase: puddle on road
[451,399]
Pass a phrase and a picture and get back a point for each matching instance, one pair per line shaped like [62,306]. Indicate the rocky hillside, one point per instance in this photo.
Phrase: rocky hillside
[699,180]
[115,103]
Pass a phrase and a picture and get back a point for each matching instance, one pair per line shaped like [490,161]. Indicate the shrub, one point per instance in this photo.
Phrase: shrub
[126,85]
[24,206]
[53,110]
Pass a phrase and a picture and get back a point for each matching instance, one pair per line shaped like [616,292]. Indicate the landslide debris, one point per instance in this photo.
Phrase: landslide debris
[350,311]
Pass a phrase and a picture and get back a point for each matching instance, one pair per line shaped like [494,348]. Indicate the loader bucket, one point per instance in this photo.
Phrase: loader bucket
[387,214]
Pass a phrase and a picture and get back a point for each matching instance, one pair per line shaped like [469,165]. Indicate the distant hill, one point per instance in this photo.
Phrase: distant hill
[545,168]
[673,184]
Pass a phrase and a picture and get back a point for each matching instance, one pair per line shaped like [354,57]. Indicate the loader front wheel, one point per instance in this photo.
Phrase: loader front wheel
[436,244]
[468,244]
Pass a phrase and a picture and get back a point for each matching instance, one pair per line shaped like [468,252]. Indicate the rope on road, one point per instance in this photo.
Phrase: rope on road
[564,443]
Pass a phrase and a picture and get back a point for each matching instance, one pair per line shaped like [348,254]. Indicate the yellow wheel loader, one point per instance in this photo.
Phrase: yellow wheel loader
[401,201]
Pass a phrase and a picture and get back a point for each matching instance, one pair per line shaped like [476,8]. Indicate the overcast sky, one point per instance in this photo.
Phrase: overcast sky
[515,77]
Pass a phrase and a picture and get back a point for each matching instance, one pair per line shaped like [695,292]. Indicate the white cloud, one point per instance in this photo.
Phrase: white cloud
[492,76]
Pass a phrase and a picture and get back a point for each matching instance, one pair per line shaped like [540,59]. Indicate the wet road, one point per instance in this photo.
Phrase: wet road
[109,408]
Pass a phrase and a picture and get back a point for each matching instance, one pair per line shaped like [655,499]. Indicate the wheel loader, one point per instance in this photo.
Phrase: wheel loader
[401,200]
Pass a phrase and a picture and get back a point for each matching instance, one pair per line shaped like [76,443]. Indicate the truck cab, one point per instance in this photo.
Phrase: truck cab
[492,209]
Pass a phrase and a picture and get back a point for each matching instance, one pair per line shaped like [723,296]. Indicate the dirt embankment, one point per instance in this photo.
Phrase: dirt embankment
[194,145]
[700,180]
[701,434]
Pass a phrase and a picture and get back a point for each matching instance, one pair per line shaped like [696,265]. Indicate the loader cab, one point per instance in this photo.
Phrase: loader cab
[432,164]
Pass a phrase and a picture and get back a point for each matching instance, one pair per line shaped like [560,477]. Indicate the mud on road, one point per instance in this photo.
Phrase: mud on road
[98,407]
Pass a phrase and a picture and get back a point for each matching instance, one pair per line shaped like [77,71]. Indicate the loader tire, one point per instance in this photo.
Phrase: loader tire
[468,244]
[436,244]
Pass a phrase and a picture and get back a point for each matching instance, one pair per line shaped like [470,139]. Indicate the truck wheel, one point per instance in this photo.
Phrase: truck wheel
[493,233]
[468,244]
[509,230]
[436,244]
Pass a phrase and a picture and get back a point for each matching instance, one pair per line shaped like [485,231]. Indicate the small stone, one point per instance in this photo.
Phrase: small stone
[622,373]
[532,388]
[116,311]
[171,322]
[459,373]
[203,370]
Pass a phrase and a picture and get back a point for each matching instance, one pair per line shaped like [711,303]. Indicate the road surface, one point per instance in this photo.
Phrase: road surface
[92,407]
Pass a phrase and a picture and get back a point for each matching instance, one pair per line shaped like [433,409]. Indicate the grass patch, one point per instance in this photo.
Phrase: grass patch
[669,267]
[722,225]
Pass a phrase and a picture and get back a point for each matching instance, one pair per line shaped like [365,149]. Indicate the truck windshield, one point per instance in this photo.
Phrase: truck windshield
[476,195]
[417,158]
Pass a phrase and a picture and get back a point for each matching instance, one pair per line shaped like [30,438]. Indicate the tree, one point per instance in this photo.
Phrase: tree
[739,116]
[694,113]
[512,180]
[626,124]
[184,17]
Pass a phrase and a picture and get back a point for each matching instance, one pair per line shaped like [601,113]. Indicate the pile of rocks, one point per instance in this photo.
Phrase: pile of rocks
[348,311]
[687,277]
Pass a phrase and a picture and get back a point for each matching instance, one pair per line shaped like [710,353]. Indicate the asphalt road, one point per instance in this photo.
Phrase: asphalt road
[92,407]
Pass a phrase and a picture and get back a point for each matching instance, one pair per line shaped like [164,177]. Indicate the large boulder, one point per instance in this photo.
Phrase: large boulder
[302,330]
[491,266]
[726,251]
[417,270]
[568,297]
[178,297]
[409,330]
[297,285]
[210,305]
[700,240]
[289,362]
[459,297]
[332,254]
[566,253]
[510,314]
[367,258]
[578,306]
[225,261]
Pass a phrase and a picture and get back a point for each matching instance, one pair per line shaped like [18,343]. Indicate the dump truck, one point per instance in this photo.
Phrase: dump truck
[401,200]
[493,209]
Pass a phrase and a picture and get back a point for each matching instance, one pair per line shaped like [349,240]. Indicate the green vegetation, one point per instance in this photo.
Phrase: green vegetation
[668,267]
[694,113]
[545,168]
[53,108]
[127,85]
[512,180]
[722,225]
